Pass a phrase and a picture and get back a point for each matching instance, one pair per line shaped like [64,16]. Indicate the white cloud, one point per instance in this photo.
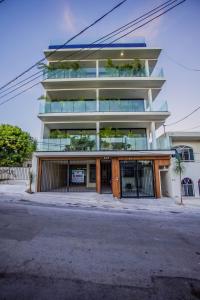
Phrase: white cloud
[68,23]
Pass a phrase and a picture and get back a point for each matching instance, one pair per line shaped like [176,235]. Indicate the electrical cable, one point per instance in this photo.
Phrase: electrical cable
[104,38]
[67,42]
[112,41]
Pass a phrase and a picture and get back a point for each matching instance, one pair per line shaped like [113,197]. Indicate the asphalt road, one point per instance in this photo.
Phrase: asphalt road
[55,253]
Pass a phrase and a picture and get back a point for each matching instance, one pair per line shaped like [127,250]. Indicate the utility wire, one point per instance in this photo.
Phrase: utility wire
[180,64]
[102,39]
[182,119]
[67,42]
[110,43]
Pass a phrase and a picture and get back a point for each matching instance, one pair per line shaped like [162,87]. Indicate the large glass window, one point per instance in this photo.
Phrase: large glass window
[137,178]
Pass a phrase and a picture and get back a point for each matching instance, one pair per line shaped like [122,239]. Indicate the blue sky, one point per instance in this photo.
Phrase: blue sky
[28,27]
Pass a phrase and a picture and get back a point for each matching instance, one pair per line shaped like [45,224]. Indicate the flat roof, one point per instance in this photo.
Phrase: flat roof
[108,45]
[184,135]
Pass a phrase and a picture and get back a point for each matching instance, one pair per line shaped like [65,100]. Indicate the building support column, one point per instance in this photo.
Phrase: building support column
[147,67]
[150,99]
[39,175]
[153,135]
[98,175]
[97,100]
[68,165]
[148,138]
[98,135]
[157,184]
[116,187]
[97,68]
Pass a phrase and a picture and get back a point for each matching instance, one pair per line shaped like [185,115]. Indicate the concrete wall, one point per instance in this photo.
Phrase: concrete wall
[192,170]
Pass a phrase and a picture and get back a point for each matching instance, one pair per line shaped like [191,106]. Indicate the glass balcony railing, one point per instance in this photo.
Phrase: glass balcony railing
[115,72]
[103,72]
[88,143]
[73,143]
[67,106]
[121,105]
[62,73]
[82,106]
[124,143]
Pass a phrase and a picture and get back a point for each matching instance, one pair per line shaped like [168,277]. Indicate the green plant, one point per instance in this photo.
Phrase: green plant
[16,145]
[58,134]
[138,67]
[109,63]
[119,146]
[75,66]
[82,143]
[30,181]
[179,170]
[108,132]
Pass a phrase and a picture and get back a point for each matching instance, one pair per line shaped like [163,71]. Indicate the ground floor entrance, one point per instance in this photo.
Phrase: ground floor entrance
[106,176]
[137,179]
[68,176]
[128,176]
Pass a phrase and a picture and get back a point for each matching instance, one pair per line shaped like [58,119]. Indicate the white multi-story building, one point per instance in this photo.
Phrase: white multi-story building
[99,116]
[187,147]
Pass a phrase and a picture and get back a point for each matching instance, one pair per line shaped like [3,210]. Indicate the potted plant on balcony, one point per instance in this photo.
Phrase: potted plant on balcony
[111,69]
[82,143]
[138,67]
[106,135]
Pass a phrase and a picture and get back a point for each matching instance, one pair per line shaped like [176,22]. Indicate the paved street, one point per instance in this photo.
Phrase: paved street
[72,253]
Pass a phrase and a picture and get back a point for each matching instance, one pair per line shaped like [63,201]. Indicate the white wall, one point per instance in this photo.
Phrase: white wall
[192,170]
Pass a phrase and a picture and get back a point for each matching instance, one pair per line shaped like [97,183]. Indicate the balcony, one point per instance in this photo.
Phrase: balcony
[88,143]
[112,105]
[123,143]
[103,72]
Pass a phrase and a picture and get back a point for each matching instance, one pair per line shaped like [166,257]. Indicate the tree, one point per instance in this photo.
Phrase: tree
[179,169]
[16,145]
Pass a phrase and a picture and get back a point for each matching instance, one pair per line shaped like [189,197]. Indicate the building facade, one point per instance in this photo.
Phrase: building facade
[99,115]
[187,147]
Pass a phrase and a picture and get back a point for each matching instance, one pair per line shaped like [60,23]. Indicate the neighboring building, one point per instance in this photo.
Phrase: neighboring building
[187,145]
[99,118]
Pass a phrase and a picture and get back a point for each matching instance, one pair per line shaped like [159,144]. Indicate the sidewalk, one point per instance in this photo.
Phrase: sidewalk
[91,200]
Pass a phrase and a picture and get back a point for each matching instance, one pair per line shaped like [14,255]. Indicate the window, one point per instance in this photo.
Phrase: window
[185,152]
[187,187]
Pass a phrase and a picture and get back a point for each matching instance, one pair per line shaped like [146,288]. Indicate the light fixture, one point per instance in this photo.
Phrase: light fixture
[122,53]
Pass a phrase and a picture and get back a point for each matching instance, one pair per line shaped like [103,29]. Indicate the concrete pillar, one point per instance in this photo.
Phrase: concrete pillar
[97,99]
[150,99]
[98,134]
[147,67]
[46,132]
[148,138]
[153,134]
[97,68]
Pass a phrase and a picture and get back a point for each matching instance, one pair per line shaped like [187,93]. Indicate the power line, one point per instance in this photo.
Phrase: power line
[103,46]
[180,64]
[67,42]
[182,119]
[105,38]
[191,128]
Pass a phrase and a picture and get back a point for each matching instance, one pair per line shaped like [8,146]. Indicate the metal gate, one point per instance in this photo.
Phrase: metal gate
[68,176]
[12,175]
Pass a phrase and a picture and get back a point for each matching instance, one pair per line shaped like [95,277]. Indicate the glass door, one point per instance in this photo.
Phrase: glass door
[137,179]
[129,178]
